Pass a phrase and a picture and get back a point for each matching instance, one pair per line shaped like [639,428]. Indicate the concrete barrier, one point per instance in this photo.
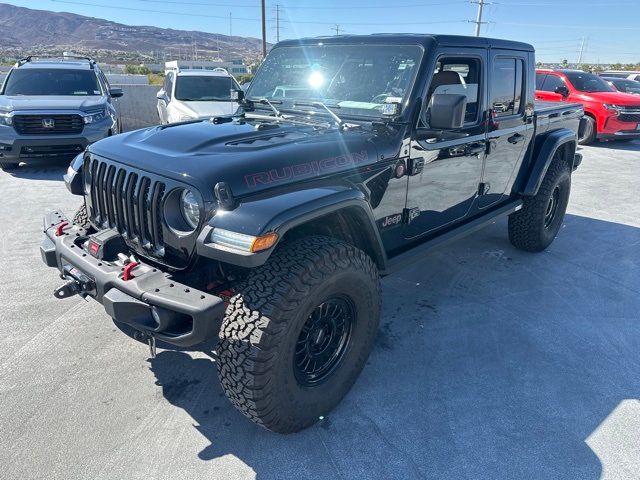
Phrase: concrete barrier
[137,107]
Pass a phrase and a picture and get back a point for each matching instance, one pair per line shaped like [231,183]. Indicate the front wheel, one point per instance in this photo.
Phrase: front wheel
[81,217]
[298,331]
[536,225]
[587,130]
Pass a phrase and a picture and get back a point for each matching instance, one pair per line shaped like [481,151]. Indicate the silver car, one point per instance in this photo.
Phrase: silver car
[53,108]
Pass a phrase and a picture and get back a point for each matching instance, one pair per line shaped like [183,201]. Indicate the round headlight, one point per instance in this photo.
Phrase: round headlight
[190,208]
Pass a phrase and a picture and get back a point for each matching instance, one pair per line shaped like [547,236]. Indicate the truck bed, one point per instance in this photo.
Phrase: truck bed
[557,115]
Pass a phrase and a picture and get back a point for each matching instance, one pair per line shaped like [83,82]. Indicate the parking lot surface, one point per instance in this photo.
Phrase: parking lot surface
[490,363]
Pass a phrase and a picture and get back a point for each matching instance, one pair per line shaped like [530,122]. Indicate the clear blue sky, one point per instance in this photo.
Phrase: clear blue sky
[611,28]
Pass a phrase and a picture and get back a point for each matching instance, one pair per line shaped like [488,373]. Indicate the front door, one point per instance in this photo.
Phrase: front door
[546,86]
[510,126]
[446,171]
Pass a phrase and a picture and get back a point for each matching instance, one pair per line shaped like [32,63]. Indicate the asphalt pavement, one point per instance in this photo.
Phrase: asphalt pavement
[490,363]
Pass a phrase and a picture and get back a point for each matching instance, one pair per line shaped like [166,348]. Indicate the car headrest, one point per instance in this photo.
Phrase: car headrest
[446,77]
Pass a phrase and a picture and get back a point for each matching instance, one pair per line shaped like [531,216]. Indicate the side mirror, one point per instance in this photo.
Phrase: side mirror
[115,92]
[237,95]
[161,95]
[562,90]
[446,111]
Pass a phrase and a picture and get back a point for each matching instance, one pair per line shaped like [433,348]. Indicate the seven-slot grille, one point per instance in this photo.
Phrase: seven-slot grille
[48,124]
[127,201]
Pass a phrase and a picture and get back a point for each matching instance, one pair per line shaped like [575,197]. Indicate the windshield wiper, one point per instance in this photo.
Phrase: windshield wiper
[335,117]
[264,101]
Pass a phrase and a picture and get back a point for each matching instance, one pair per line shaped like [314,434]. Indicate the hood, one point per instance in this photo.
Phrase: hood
[249,157]
[206,109]
[50,102]
[616,98]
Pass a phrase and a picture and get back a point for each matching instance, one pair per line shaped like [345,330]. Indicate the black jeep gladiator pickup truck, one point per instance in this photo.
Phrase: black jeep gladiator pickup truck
[270,229]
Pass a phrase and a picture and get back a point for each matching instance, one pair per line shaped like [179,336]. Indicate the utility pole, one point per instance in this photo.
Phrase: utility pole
[581,51]
[478,21]
[337,29]
[277,22]
[230,24]
[264,30]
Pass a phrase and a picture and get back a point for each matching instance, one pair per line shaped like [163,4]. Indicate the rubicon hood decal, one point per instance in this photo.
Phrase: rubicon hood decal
[315,167]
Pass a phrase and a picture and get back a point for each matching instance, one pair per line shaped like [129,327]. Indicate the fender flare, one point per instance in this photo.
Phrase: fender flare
[543,157]
[284,211]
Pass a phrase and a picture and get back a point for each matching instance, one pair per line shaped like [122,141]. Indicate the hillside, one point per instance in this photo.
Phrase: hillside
[24,30]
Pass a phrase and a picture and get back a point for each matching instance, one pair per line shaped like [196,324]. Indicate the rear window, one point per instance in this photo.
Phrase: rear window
[52,81]
[203,89]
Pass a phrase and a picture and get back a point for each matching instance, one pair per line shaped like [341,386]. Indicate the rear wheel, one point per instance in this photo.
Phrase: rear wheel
[587,130]
[298,331]
[536,225]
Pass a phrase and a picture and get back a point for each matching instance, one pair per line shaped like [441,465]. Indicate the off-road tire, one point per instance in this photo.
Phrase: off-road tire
[81,217]
[7,167]
[527,229]
[587,130]
[264,320]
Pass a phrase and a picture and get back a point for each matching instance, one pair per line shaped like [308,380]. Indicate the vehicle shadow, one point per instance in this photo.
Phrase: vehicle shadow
[489,363]
[50,171]
[632,146]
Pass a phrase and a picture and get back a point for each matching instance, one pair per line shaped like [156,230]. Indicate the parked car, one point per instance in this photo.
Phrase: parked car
[53,108]
[624,85]
[629,75]
[269,230]
[194,94]
[609,114]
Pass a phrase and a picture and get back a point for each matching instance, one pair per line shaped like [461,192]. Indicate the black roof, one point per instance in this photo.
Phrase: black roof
[423,39]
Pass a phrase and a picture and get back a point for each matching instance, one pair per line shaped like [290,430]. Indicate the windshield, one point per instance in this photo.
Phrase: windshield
[204,88]
[629,86]
[588,82]
[358,79]
[52,81]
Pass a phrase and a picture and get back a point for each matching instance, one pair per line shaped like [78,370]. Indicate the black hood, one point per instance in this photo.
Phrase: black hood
[248,156]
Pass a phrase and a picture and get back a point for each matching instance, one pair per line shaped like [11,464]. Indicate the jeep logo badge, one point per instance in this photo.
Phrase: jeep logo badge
[48,122]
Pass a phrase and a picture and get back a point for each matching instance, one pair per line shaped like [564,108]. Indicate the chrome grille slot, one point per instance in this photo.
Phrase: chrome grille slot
[127,201]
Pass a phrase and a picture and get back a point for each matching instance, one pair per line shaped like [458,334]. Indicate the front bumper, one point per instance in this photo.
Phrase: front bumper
[15,148]
[613,129]
[151,302]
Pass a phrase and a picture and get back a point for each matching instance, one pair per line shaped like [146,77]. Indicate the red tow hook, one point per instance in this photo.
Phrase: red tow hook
[60,228]
[126,273]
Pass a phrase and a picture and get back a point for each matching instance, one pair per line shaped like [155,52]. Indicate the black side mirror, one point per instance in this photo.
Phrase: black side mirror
[562,90]
[115,92]
[446,111]
[237,95]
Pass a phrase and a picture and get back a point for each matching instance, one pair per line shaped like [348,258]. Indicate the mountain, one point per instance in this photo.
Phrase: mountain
[24,30]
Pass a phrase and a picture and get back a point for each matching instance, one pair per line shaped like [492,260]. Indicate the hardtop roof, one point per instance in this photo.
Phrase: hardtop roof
[412,38]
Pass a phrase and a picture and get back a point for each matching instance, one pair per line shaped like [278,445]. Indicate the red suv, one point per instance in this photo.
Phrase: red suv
[609,114]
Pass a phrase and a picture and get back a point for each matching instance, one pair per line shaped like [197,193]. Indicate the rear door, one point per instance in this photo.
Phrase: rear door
[511,123]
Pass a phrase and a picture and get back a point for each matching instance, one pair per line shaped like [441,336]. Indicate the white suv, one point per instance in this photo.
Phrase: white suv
[192,94]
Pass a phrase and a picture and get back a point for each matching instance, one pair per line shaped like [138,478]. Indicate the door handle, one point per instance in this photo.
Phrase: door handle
[515,138]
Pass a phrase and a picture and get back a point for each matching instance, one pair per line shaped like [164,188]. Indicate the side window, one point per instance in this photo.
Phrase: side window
[506,86]
[551,83]
[460,76]
[540,80]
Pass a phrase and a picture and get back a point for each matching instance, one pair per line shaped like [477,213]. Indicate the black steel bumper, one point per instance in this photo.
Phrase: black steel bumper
[150,302]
